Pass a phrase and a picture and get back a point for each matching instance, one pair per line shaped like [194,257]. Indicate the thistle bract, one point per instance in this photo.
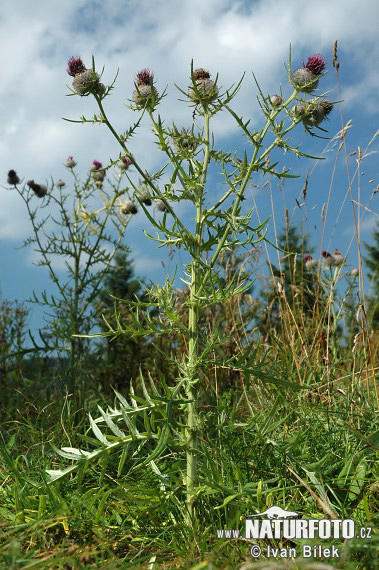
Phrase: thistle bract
[304,80]
[86,82]
[207,90]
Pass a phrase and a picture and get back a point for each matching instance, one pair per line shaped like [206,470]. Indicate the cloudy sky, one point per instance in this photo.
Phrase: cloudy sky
[226,37]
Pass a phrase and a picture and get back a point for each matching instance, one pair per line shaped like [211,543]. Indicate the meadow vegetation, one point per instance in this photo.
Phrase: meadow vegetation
[147,417]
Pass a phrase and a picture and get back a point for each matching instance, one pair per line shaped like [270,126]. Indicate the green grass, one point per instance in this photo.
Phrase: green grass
[296,450]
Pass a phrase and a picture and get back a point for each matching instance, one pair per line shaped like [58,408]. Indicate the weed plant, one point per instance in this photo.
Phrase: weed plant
[266,399]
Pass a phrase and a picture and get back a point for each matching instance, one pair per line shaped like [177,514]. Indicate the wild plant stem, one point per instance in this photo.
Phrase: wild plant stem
[193,342]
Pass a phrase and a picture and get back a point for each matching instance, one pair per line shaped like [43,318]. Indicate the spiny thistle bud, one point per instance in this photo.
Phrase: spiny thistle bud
[299,109]
[96,165]
[124,163]
[310,263]
[161,206]
[276,100]
[144,196]
[145,92]
[40,190]
[87,82]
[128,207]
[75,66]
[328,258]
[185,143]
[207,89]
[60,183]
[99,175]
[304,80]
[354,272]
[338,257]
[13,178]
[70,162]
[327,106]
[314,114]
[315,111]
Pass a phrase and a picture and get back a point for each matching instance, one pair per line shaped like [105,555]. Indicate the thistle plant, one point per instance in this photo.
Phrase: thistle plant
[222,224]
[80,225]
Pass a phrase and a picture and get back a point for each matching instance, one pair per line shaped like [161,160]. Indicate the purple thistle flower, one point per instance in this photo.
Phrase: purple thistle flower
[75,66]
[97,164]
[316,63]
[124,163]
[70,162]
[144,77]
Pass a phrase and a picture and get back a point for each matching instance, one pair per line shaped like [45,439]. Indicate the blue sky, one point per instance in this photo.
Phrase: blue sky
[227,38]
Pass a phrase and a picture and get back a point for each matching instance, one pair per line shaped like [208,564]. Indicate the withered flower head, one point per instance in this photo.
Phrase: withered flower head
[13,178]
[201,74]
[40,190]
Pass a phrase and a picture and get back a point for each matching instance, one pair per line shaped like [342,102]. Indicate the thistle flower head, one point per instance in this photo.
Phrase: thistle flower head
[99,175]
[162,206]
[316,63]
[70,162]
[75,66]
[60,183]
[96,165]
[314,114]
[201,74]
[354,272]
[145,199]
[304,80]
[13,178]
[40,190]
[144,94]
[124,163]
[185,143]
[128,207]
[338,257]
[144,77]
[87,82]
[276,100]
[327,106]
[207,89]
[310,263]
[328,258]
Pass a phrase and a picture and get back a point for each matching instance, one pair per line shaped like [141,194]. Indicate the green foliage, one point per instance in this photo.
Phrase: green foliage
[218,423]
[13,319]
[85,241]
[219,227]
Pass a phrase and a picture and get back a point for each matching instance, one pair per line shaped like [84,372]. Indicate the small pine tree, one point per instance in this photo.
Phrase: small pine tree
[124,355]
[120,282]
[290,283]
